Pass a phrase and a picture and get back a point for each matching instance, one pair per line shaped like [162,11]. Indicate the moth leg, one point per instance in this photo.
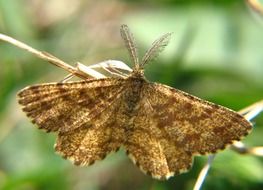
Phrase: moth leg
[67,78]
[90,72]
[112,64]
[114,71]
[113,67]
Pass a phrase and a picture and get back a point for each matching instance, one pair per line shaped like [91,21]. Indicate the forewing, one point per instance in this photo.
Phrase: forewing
[66,106]
[200,127]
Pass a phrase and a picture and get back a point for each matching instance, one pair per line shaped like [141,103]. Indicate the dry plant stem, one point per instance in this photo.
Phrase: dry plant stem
[242,149]
[257,151]
[115,72]
[249,113]
[112,64]
[43,55]
[83,69]
[203,173]
[256,6]
[80,70]
[252,110]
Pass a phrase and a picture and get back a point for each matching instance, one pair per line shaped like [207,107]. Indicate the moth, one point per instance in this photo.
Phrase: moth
[160,127]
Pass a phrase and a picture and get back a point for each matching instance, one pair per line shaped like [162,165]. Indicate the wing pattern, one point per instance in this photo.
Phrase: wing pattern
[83,114]
[171,126]
[65,106]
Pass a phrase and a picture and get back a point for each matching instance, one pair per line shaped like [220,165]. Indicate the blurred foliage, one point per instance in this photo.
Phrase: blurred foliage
[215,53]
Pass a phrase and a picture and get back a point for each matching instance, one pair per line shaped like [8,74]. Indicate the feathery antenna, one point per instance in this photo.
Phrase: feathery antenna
[130,44]
[157,47]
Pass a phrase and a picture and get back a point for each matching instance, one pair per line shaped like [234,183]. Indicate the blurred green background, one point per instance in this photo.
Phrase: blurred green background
[216,53]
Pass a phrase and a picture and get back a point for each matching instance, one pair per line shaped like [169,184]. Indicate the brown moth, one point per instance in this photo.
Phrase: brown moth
[160,127]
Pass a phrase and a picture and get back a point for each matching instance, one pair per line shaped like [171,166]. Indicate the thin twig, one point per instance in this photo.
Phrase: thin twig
[203,173]
[242,149]
[81,71]
[44,55]
[253,109]
[84,69]
[256,6]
